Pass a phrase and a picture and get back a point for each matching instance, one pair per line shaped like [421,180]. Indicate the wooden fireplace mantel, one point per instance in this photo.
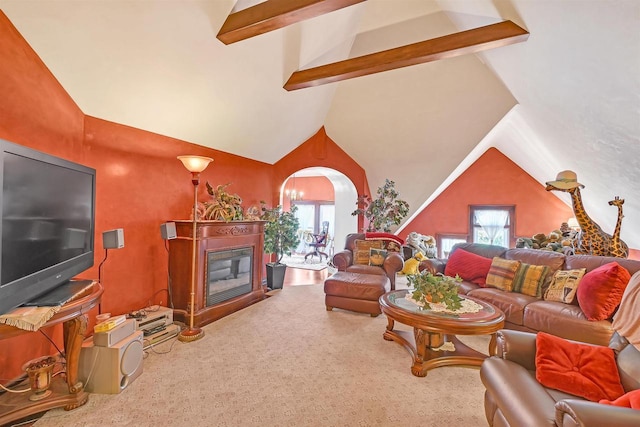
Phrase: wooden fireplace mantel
[212,236]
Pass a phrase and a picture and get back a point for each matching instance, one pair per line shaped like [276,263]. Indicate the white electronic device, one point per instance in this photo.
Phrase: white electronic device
[113,336]
[109,370]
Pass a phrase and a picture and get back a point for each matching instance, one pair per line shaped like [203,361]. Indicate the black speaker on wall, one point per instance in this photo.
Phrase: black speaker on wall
[168,230]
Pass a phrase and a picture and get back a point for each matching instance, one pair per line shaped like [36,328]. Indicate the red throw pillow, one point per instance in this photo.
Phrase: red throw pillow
[583,370]
[370,235]
[628,400]
[469,266]
[601,289]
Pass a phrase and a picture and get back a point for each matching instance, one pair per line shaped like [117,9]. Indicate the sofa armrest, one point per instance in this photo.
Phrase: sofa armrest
[433,265]
[517,346]
[343,259]
[574,412]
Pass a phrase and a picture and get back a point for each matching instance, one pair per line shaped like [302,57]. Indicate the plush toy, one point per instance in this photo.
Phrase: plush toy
[422,243]
[411,265]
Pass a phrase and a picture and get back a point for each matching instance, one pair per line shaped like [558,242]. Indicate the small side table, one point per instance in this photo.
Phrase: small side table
[69,394]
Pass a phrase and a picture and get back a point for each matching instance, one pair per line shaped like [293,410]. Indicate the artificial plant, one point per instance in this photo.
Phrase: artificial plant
[383,211]
[426,288]
[223,206]
[280,230]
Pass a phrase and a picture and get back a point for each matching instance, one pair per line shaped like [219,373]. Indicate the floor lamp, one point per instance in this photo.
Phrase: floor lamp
[195,165]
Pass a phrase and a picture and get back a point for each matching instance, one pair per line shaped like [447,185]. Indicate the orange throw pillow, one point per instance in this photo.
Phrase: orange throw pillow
[584,370]
[600,290]
[627,400]
[469,266]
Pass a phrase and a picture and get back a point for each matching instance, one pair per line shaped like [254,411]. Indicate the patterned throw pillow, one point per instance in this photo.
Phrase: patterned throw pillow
[502,273]
[564,285]
[529,279]
[377,256]
[390,242]
[361,254]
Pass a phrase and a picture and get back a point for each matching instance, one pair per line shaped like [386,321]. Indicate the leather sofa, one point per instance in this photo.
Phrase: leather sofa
[344,261]
[531,314]
[514,397]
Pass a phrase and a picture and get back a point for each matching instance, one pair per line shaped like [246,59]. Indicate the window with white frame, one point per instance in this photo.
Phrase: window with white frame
[446,241]
[492,225]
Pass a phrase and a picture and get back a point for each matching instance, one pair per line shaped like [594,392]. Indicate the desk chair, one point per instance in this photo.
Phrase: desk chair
[319,242]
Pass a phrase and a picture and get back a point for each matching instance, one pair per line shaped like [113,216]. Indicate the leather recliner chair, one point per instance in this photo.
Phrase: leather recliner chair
[513,397]
[344,261]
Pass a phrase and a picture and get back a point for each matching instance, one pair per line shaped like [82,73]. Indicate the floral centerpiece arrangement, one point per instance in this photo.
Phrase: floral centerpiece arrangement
[427,288]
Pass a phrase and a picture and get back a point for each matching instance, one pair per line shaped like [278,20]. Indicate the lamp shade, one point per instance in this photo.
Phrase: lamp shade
[195,164]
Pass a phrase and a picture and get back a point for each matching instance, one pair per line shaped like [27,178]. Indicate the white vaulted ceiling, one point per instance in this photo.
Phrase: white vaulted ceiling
[567,98]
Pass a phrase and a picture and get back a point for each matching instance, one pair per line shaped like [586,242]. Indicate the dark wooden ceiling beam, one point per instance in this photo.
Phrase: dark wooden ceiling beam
[274,14]
[462,43]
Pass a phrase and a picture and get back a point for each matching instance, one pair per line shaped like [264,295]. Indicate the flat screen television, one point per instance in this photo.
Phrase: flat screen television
[48,222]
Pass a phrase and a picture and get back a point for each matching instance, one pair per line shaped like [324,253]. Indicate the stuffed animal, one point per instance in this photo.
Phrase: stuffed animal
[411,265]
[422,243]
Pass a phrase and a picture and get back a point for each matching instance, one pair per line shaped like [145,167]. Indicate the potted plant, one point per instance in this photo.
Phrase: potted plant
[280,237]
[426,289]
[383,211]
[223,206]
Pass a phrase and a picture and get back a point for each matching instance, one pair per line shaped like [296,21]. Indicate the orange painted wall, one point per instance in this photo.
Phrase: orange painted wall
[35,111]
[492,180]
[316,188]
[140,183]
[319,150]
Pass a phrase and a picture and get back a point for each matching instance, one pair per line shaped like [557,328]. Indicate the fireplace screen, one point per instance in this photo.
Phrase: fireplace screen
[228,274]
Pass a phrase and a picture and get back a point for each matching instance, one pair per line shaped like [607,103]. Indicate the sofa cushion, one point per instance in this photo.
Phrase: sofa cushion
[512,304]
[529,279]
[469,266]
[390,242]
[581,369]
[601,290]
[365,269]
[361,252]
[591,262]
[564,285]
[554,260]
[566,321]
[502,273]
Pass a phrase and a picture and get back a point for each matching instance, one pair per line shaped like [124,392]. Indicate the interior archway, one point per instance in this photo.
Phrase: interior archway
[344,199]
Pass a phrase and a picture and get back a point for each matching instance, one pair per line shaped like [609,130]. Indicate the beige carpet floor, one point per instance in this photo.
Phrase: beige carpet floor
[286,361]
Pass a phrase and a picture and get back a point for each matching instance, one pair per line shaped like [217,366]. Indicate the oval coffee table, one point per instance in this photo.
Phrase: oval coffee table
[433,343]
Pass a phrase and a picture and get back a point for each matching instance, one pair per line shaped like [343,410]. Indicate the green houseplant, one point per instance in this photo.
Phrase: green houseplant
[426,288]
[383,211]
[280,237]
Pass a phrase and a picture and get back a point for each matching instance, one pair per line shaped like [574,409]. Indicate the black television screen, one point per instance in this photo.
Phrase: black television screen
[48,215]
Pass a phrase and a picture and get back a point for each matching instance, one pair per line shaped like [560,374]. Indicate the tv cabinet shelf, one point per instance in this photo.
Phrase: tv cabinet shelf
[66,392]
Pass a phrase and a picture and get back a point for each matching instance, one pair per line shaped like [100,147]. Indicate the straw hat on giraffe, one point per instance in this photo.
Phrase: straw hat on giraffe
[566,180]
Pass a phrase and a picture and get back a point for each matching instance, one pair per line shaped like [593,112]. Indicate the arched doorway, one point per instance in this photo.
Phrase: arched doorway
[327,195]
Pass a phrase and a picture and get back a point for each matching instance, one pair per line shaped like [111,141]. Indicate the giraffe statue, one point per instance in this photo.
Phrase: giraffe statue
[618,247]
[591,240]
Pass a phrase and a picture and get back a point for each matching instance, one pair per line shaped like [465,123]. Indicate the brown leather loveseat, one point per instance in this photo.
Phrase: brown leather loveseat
[528,313]
[514,397]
